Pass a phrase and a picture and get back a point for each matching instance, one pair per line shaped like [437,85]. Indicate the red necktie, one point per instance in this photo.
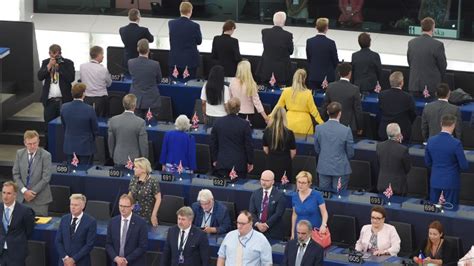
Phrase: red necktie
[264,216]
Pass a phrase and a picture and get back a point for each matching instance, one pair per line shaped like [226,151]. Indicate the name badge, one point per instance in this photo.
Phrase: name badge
[181,258]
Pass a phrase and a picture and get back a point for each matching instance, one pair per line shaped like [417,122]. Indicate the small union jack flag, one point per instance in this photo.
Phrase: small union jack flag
[233,174]
[195,120]
[273,80]
[339,185]
[426,92]
[378,88]
[284,179]
[149,115]
[75,160]
[129,164]
[186,72]
[175,72]
[388,192]
[180,168]
[325,83]
[421,257]
[441,199]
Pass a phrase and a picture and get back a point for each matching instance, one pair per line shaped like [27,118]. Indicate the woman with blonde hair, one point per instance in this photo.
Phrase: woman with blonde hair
[299,102]
[244,87]
[279,145]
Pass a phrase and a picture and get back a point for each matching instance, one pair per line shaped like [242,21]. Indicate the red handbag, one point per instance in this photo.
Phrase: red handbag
[324,240]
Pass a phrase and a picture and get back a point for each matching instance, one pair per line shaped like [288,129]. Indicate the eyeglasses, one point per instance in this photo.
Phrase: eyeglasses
[241,223]
[376,218]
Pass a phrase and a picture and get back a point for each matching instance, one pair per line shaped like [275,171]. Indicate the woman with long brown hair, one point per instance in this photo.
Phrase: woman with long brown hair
[435,250]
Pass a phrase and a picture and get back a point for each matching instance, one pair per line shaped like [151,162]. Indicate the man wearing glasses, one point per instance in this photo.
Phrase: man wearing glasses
[127,236]
[211,216]
[245,246]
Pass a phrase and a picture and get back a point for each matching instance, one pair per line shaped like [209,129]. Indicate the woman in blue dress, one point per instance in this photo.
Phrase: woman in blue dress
[308,204]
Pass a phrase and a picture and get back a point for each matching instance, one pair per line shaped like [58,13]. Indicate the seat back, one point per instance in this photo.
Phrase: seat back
[258,121]
[259,163]
[283,229]
[36,253]
[98,209]
[165,112]
[99,155]
[467,136]
[198,110]
[151,153]
[98,256]
[304,163]
[416,136]
[343,230]
[456,243]
[60,204]
[203,158]
[417,181]
[467,183]
[385,82]
[115,103]
[231,209]
[405,232]
[369,125]
[169,206]
[361,177]
[153,258]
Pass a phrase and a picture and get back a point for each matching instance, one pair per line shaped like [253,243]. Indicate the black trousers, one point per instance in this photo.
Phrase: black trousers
[84,160]
[52,109]
[9,259]
[100,104]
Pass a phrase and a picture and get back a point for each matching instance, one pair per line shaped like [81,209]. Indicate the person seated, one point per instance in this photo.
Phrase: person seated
[435,250]
[211,216]
[179,148]
[378,238]
[468,259]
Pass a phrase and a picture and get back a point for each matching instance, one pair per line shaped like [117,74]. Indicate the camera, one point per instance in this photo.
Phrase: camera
[59,59]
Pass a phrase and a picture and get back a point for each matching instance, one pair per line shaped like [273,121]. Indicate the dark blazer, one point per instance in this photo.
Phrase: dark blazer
[276,208]
[185,36]
[427,61]
[146,75]
[313,255]
[136,243]
[130,35]
[444,154]
[431,118]
[21,227]
[231,143]
[396,106]
[394,165]
[225,52]
[366,69]
[348,95]
[80,123]
[195,252]
[448,254]
[67,74]
[80,244]
[321,53]
[220,217]
[277,48]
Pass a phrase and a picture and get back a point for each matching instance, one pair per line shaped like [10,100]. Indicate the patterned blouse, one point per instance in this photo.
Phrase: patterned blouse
[144,195]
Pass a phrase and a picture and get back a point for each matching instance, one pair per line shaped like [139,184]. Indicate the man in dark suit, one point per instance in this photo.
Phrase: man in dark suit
[394,162]
[277,49]
[146,75]
[348,95]
[127,236]
[321,53]
[17,224]
[444,154]
[433,111]
[131,34]
[427,60]
[396,106]
[303,251]
[225,49]
[185,243]
[80,127]
[32,173]
[185,36]
[267,205]
[231,142]
[211,216]
[57,73]
[76,234]
[366,65]
[127,134]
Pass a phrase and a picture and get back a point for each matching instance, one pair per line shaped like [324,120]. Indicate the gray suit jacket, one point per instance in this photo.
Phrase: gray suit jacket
[334,145]
[427,62]
[431,118]
[127,137]
[394,164]
[146,75]
[39,177]
[348,96]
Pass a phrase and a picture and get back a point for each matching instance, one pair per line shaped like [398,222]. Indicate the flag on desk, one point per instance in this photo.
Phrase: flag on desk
[441,199]
[175,72]
[233,174]
[180,168]
[75,160]
[325,83]
[388,192]
[186,72]
[284,179]
[426,92]
[273,80]
[129,164]
[149,115]
[339,185]
[378,88]
[421,257]
[195,120]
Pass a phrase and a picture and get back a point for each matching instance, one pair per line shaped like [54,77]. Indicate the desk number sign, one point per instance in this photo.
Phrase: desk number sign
[429,207]
[115,172]
[167,177]
[62,168]
[374,200]
[355,258]
[219,182]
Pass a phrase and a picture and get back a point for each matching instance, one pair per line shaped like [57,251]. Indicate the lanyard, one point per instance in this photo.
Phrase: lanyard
[244,244]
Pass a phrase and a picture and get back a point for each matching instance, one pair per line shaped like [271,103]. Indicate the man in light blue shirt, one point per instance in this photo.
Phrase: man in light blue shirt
[245,246]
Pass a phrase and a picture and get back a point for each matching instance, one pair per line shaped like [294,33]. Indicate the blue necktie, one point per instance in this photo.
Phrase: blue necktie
[30,161]
[6,219]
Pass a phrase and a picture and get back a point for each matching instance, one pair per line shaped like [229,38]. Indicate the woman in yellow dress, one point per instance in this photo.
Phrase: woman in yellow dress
[299,103]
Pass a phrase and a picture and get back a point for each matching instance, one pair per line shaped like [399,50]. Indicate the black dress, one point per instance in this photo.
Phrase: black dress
[279,161]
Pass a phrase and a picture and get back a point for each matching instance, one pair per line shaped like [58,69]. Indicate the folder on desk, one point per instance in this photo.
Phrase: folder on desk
[43,220]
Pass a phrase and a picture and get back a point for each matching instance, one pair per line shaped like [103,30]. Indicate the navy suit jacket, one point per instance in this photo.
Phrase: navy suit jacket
[276,208]
[80,244]
[21,226]
[195,252]
[220,217]
[321,54]
[444,154]
[136,242]
[313,255]
[80,123]
[185,36]
[130,35]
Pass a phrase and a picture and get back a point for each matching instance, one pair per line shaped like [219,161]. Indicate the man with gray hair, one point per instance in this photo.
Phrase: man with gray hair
[211,216]
[127,136]
[277,48]
[73,242]
[303,251]
[185,244]
[394,162]
[396,106]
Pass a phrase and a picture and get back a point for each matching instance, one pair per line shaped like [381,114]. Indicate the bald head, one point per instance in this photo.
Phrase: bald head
[267,179]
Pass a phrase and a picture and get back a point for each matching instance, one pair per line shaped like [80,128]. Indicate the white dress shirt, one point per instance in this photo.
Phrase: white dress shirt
[96,77]
[12,207]
[79,219]
[122,223]
[186,234]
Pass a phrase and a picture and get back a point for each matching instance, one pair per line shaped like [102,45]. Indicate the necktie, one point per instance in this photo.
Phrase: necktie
[72,229]
[299,256]
[123,237]
[30,161]
[6,219]
[181,241]
[239,256]
[264,216]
